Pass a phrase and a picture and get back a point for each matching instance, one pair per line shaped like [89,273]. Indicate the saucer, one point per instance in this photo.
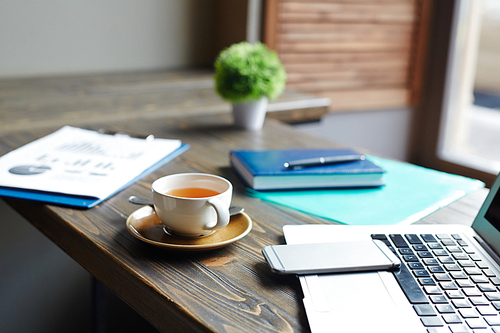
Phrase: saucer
[145,225]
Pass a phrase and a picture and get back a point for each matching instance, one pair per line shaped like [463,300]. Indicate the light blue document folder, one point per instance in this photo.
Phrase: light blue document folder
[410,193]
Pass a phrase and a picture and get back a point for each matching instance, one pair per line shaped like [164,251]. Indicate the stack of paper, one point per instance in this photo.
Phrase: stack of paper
[78,167]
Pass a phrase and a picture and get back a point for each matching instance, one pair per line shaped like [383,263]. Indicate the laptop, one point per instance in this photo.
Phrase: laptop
[449,280]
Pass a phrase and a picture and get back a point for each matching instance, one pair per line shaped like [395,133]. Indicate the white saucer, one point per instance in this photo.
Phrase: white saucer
[145,225]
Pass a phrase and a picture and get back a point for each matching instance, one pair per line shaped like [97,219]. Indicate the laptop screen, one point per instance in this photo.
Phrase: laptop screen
[493,212]
[487,222]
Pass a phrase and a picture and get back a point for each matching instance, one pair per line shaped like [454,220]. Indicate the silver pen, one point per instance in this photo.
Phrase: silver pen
[323,160]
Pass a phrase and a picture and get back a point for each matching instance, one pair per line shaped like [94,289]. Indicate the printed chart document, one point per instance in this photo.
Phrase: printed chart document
[79,167]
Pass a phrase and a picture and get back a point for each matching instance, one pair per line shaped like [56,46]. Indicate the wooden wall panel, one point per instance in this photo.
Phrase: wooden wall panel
[362,54]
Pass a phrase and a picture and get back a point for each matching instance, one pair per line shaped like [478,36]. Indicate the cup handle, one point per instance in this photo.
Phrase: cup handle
[222,214]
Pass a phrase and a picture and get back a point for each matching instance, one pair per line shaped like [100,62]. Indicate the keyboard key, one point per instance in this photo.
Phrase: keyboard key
[440,253]
[405,250]
[442,277]
[415,265]
[438,330]
[476,323]
[413,239]
[469,250]
[428,238]
[495,281]
[487,310]
[459,329]
[460,256]
[443,236]
[462,243]
[431,262]
[425,254]
[410,258]
[445,308]
[483,265]
[448,242]
[472,271]
[496,305]
[493,321]
[480,301]
[452,267]
[379,236]
[427,281]
[489,273]
[454,249]
[452,319]
[421,273]
[435,246]
[436,269]
[465,283]
[472,292]
[479,279]
[468,313]
[459,275]
[466,263]
[475,257]
[493,296]
[461,303]
[454,294]
[432,290]
[439,299]
[456,236]
[432,321]
[420,247]
[446,260]
[448,285]
[486,287]
[424,309]
[398,240]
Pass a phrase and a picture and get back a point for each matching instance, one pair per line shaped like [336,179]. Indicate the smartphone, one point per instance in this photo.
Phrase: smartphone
[336,257]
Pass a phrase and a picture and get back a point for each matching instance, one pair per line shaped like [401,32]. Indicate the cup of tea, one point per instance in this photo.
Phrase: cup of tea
[192,204]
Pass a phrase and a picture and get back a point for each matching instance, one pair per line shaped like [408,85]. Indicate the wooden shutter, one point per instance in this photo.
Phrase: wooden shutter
[363,54]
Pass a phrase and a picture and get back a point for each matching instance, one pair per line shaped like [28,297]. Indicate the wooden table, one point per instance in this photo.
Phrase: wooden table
[225,290]
[46,102]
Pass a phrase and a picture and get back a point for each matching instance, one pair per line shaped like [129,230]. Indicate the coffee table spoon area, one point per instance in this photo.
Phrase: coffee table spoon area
[233,210]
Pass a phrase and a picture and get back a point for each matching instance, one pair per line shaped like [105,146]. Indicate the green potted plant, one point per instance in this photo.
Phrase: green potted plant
[248,76]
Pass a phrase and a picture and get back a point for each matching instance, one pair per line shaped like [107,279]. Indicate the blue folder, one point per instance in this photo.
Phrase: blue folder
[83,201]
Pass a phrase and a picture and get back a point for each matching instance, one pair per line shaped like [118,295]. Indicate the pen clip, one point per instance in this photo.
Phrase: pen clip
[319,161]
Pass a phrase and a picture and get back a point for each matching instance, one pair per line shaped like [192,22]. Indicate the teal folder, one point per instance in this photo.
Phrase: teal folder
[411,193]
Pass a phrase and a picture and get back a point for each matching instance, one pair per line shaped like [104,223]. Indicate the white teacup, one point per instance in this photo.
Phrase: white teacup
[192,204]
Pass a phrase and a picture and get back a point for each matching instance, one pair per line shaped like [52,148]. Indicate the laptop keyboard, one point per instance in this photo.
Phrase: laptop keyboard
[449,284]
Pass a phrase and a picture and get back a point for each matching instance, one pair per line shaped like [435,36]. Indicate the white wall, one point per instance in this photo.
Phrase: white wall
[61,37]
[382,132]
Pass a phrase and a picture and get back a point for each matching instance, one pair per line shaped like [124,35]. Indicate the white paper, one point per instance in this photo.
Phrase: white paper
[81,162]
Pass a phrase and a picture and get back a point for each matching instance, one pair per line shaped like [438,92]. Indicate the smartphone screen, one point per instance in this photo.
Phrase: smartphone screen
[337,257]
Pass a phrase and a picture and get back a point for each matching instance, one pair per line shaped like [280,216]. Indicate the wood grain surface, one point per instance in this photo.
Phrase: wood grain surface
[27,103]
[225,290]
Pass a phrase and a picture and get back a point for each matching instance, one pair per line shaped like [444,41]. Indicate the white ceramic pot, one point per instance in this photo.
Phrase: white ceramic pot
[250,115]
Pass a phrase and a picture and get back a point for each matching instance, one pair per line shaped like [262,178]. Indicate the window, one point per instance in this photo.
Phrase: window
[470,133]
[458,122]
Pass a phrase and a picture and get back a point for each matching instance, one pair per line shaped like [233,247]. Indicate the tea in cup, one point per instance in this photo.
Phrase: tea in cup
[192,204]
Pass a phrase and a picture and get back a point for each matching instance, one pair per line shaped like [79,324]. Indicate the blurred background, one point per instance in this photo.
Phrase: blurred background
[370,58]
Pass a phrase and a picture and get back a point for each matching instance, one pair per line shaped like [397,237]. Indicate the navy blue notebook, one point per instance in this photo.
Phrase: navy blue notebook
[264,170]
